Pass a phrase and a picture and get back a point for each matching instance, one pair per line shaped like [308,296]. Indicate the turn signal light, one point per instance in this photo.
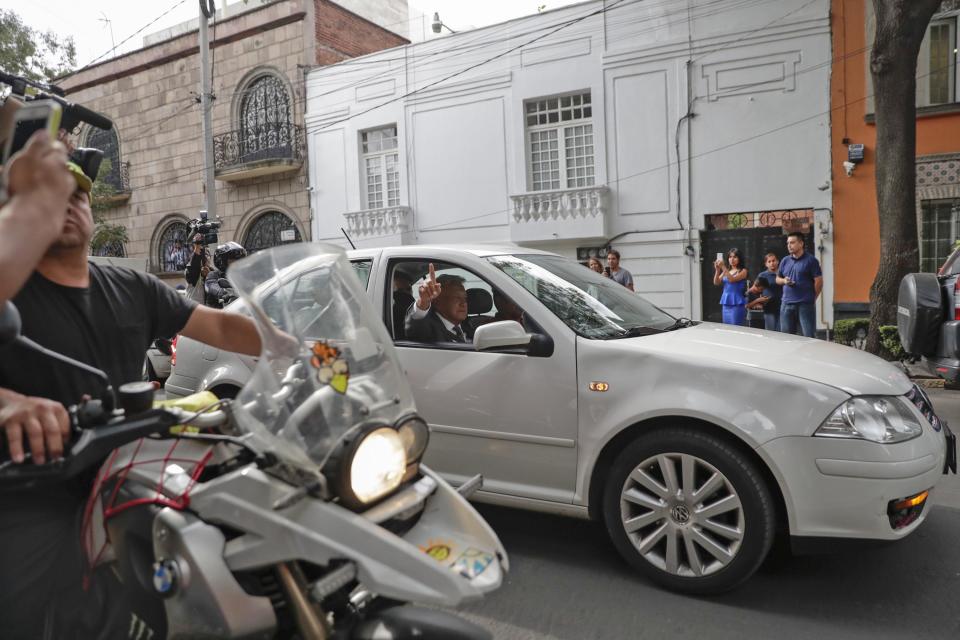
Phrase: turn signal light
[920,498]
[906,510]
[599,386]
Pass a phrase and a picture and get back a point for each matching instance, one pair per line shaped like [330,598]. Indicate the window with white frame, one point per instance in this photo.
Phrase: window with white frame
[938,232]
[560,142]
[942,49]
[381,167]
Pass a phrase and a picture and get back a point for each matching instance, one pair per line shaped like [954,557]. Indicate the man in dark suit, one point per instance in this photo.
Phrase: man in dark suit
[437,315]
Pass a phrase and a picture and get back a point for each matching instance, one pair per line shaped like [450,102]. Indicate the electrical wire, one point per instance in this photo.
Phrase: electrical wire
[128,38]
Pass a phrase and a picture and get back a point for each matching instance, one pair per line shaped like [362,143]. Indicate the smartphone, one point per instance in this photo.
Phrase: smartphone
[38,115]
[719,257]
[606,270]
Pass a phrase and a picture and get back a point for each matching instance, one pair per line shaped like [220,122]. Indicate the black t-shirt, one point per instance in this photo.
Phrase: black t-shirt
[772,290]
[108,325]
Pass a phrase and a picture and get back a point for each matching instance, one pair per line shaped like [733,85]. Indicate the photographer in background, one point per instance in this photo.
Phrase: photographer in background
[197,271]
[219,291]
[39,186]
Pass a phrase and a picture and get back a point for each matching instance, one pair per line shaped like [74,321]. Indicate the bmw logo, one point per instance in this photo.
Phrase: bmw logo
[165,575]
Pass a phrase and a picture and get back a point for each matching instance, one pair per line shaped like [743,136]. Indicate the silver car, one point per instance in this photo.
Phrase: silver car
[694,443]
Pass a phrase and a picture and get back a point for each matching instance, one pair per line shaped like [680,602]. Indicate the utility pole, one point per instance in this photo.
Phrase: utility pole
[207,10]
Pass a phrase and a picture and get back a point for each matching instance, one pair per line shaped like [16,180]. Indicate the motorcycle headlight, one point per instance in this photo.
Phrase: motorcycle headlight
[415,436]
[878,419]
[374,466]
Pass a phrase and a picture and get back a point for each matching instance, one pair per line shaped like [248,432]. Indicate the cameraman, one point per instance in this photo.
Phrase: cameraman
[39,187]
[219,291]
[102,316]
[197,271]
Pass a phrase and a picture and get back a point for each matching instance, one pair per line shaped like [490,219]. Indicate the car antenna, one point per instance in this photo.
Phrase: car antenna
[352,246]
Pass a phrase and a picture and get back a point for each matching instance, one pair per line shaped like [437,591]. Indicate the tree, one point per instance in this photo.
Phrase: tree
[108,239]
[901,25]
[33,54]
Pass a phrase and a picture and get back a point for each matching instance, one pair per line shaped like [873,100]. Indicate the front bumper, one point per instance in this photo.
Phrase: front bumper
[842,488]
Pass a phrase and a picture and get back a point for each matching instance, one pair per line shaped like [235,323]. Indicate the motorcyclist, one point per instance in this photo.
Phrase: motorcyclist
[217,293]
[105,317]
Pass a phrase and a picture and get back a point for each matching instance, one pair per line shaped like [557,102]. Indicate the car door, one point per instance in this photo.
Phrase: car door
[506,415]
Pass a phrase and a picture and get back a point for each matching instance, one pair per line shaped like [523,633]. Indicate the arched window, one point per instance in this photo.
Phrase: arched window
[269,230]
[111,170]
[173,250]
[265,120]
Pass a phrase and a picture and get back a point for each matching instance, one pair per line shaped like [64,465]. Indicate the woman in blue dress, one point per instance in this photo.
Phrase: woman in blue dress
[732,277]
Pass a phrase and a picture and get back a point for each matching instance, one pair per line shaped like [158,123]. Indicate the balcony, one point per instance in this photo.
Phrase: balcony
[257,151]
[116,186]
[559,215]
[379,223]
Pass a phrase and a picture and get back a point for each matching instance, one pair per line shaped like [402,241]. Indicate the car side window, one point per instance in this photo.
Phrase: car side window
[362,268]
[469,301]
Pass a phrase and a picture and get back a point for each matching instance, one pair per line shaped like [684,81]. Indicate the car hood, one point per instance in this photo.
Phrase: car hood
[855,372]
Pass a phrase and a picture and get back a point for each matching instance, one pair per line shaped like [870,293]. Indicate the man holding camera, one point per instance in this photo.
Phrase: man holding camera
[103,316]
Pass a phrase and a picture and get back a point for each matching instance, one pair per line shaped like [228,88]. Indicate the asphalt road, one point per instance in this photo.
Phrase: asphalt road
[568,583]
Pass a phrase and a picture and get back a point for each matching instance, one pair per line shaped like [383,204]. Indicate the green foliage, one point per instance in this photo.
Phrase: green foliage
[890,341]
[33,54]
[846,331]
[101,191]
[108,239]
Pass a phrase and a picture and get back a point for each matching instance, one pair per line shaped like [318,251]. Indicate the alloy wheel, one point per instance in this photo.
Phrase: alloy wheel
[682,514]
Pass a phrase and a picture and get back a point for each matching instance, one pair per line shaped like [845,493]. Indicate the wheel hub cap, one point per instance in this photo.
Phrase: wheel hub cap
[680,514]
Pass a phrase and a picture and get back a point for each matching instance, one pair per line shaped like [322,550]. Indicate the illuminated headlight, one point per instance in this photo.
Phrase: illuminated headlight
[874,418]
[376,466]
[415,436]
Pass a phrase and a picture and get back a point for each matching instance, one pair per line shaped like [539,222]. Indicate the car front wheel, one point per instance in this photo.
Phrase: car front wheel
[689,510]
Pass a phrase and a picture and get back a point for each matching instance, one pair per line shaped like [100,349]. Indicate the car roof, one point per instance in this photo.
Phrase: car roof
[478,250]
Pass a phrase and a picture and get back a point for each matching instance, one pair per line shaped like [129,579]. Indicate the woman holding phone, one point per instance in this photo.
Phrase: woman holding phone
[731,276]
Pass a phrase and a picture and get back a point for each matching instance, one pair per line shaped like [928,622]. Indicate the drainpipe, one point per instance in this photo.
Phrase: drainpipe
[825,230]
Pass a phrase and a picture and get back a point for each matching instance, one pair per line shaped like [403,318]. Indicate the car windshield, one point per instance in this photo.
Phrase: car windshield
[592,305]
[338,355]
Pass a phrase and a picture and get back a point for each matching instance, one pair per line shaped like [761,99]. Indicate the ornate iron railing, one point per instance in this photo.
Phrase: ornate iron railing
[118,179]
[257,144]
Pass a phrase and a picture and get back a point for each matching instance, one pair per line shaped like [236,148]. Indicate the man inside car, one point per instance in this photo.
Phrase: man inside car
[440,310]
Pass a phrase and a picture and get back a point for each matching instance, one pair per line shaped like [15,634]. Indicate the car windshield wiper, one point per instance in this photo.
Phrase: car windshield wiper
[634,332]
[680,323]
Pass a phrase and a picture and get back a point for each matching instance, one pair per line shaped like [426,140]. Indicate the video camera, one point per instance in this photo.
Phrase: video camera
[206,228]
[73,114]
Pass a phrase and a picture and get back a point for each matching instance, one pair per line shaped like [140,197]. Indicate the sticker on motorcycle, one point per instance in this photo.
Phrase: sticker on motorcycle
[439,551]
[332,369]
[472,563]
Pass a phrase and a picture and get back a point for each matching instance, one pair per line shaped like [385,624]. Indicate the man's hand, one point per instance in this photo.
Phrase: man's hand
[198,244]
[39,172]
[43,423]
[429,291]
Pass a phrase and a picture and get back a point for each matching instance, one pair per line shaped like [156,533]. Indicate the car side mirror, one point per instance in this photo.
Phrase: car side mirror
[507,333]
[9,323]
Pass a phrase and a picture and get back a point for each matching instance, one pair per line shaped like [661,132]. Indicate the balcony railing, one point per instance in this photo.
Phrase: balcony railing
[258,151]
[565,213]
[379,222]
[117,184]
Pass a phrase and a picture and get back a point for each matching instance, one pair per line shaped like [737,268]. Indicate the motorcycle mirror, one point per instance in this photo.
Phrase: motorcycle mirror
[9,323]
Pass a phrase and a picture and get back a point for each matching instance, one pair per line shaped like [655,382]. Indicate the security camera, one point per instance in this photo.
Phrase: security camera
[849,167]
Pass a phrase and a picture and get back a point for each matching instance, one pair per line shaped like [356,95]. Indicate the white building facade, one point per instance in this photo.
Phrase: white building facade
[669,130]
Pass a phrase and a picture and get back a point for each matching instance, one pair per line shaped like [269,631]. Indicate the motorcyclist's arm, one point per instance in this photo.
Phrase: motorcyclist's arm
[42,423]
[40,187]
[228,331]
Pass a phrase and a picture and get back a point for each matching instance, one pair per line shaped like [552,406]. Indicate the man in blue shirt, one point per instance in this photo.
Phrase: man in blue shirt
[802,281]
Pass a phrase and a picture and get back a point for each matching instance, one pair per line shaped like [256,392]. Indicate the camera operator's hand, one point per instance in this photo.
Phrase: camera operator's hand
[39,172]
[43,423]
[198,244]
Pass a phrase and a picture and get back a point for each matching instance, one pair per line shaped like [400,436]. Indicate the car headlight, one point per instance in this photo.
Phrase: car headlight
[875,418]
[373,467]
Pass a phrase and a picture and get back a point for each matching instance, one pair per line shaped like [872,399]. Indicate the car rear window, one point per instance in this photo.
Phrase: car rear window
[952,265]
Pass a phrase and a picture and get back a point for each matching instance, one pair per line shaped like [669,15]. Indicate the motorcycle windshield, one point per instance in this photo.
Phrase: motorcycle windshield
[328,366]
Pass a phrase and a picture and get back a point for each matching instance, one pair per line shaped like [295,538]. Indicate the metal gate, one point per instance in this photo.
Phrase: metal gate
[754,238]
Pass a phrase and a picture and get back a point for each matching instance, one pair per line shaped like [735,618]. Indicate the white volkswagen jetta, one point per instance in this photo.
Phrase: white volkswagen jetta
[694,443]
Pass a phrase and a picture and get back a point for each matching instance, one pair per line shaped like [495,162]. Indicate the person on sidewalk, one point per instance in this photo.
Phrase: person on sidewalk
[770,293]
[802,280]
[731,276]
[615,272]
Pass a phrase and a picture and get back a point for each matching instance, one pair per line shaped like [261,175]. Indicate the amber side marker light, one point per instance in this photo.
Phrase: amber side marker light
[599,386]
[906,510]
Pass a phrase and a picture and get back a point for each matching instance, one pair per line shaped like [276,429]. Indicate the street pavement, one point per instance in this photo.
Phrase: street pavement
[568,583]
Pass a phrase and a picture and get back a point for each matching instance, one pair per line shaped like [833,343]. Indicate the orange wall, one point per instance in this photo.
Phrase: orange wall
[856,232]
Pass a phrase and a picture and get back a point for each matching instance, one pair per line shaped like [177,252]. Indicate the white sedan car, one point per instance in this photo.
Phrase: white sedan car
[694,443]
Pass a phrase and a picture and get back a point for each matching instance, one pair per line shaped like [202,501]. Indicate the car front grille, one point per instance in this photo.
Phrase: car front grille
[921,400]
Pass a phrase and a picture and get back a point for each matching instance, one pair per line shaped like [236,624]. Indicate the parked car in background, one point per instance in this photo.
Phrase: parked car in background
[928,318]
[694,443]
[156,364]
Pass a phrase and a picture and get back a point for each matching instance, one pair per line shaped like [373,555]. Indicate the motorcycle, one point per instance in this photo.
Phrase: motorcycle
[298,509]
